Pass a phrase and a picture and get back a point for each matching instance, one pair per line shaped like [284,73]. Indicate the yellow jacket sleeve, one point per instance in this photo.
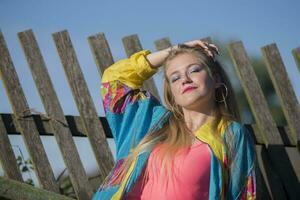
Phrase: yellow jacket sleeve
[132,71]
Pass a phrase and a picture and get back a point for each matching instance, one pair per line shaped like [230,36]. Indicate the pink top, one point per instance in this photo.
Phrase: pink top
[190,177]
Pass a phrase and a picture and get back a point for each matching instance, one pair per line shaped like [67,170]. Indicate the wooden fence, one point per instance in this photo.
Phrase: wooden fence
[277,147]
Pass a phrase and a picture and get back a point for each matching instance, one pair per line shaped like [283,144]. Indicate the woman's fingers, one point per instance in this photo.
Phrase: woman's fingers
[203,44]
[195,43]
[208,52]
[214,46]
[210,49]
[215,50]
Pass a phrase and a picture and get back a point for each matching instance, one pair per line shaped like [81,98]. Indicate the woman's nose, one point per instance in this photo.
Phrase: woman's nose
[186,79]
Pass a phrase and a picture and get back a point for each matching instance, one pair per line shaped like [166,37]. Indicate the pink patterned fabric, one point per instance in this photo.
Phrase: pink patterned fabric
[189,181]
[116,96]
[250,188]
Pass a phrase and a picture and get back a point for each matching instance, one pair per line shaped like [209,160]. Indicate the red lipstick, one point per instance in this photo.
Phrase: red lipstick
[189,88]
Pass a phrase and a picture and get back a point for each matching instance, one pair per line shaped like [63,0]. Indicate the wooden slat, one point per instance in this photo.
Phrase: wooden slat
[206,39]
[14,190]
[254,94]
[7,157]
[26,126]
[44,128]
[281,163]
[262,183]
[283,89]
[258,137]
[162,44]
[294,158]
[269,173]
[132,45]
[84,102]
[101,52]
[54,110]
[283,130]
[296,54]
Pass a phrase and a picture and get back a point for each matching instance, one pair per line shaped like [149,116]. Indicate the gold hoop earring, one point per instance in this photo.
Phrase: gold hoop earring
[223,97]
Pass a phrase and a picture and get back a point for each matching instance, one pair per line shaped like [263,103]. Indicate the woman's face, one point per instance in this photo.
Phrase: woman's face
[185,71]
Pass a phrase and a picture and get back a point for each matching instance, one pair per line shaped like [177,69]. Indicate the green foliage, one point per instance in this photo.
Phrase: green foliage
[25,166]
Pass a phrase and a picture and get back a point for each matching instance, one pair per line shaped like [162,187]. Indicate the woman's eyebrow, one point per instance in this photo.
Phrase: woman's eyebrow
[186,67]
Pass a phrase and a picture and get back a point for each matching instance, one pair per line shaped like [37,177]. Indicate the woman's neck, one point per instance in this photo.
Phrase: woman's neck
[195,119]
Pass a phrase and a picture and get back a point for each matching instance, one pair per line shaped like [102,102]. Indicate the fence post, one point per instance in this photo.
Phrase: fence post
[24,119]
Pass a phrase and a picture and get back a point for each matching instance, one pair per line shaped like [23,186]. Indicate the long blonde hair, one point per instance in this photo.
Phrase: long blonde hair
[174,135]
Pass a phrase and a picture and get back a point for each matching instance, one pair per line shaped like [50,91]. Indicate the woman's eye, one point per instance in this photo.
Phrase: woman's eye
[174,78]
[196,68]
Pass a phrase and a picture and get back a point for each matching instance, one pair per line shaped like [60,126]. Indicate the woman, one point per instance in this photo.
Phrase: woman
[193,147]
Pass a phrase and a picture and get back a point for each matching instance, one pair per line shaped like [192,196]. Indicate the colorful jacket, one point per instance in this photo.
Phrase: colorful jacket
[132,113]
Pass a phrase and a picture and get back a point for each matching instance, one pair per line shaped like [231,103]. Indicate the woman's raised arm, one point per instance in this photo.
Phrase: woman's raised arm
[129,110]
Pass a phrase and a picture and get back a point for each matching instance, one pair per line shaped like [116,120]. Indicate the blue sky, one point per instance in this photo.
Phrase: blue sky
[256,23]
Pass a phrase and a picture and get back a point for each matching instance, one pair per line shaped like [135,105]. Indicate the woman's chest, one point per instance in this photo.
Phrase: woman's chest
[189,176]
[189,166]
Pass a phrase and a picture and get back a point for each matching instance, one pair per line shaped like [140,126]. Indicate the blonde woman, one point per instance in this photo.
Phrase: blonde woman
[193,146]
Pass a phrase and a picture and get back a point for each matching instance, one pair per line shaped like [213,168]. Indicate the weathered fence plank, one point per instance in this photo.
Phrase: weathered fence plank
[280,161]
[263,187]
[15,190]
[54,110]
[256,99]
[271,176]
[162,44]
[101,52]
[132,45]
[283,89]
[296,54]
[26,125]
[258,136]
[84,102]
[7,157]
[293,155]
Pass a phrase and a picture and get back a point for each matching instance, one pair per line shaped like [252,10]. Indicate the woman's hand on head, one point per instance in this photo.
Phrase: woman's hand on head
[210,49]
[157,58]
